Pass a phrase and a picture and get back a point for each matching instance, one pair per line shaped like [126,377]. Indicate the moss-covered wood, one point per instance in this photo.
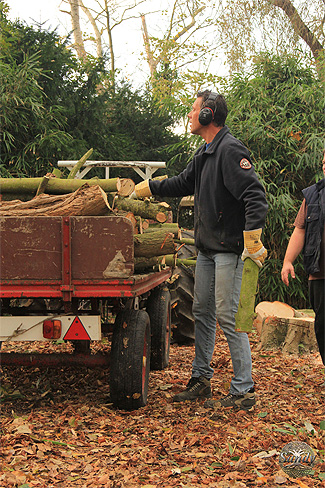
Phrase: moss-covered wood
[154,244]
[144,209]
[145,264]
[79,164]
[246,308]
[59,186]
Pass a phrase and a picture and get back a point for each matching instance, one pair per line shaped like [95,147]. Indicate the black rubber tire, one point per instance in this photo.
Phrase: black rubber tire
[130,359]
[182,295]
[159,310]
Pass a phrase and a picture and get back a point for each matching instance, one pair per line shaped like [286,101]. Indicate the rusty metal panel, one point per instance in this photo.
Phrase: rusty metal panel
[30,248]
[101,248]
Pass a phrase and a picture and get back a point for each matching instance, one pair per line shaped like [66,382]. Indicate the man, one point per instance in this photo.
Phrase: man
[309,237]
[229,212]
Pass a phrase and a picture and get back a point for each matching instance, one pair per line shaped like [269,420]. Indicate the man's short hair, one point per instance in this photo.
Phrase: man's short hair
[219,106]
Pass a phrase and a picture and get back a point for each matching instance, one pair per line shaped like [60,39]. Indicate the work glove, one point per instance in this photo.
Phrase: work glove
[253,247]
[141,190]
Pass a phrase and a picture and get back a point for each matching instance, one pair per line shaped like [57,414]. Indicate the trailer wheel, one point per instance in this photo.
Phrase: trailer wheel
[130,359]
[158,308]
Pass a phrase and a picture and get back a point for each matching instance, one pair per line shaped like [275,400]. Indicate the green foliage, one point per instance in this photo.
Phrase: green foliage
[278,113]
[54,107]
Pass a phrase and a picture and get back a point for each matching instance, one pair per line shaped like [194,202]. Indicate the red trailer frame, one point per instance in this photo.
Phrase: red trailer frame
[78,258]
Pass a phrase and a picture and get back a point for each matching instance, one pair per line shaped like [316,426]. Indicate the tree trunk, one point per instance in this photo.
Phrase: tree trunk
[110,44]
[85,201]
[98,37]
[77,34]
[143,224]
[153,244]
[302,30]
[58,186]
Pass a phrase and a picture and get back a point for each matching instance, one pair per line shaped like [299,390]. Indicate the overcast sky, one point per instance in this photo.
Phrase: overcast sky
[127,49]
[38,11]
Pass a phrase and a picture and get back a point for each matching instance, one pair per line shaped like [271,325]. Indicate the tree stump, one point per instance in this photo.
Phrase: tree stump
[293,335]
[271,309]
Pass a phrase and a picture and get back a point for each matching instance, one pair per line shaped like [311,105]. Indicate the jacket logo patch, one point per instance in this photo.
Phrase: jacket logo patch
[245,164]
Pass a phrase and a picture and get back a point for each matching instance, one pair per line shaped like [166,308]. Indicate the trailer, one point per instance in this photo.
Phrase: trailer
[74,268]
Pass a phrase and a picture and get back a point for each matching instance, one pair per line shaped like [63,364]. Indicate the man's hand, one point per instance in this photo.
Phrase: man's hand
[253,247]
[287,269]
[141,190]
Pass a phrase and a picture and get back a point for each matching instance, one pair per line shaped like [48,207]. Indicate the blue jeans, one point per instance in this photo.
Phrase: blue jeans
[216,297]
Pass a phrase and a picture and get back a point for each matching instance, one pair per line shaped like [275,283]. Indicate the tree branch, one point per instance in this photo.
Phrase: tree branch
[299,26]
[151,62]
[189,26]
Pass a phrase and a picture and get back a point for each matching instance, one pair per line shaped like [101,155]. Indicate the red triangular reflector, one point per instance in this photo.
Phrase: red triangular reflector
[76,332]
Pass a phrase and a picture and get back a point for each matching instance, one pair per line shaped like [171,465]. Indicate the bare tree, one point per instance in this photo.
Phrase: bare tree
[300,27]
[103,16]
[280,26]
[170,38]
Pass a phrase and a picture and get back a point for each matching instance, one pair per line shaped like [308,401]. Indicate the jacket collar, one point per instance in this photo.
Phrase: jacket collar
[214,144]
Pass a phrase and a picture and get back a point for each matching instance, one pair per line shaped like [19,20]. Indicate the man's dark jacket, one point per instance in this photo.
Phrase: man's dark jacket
[228,197]
[315,218]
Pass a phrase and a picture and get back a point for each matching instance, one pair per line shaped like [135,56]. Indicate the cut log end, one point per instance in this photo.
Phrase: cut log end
[125,187]
[161,217]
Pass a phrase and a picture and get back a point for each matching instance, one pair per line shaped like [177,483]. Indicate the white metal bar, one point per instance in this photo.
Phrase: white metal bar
[117,164]
[149,166]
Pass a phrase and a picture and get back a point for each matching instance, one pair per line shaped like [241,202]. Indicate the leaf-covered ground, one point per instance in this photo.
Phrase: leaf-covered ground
[59,429]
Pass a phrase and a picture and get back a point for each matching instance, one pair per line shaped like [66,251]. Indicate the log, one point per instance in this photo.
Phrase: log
[245,314]
[167,226]
[87,200]
[144,263]
[154,244]
[58,186]
[293,335]
[131,217]
[186,240]
[145,209]
[126,187]
[143,224]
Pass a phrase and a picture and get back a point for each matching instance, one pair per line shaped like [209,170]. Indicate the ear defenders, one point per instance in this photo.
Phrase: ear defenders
[206,114]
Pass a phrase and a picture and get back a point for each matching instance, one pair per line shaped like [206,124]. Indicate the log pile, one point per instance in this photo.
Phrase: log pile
[155,240]
[282,327]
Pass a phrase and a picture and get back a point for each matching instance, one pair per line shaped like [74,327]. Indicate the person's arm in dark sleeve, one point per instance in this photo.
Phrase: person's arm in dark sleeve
[177,186]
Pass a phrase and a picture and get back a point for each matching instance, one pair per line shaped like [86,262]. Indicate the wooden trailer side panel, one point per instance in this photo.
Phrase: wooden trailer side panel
[101,248]
[43,248]
[31,248]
